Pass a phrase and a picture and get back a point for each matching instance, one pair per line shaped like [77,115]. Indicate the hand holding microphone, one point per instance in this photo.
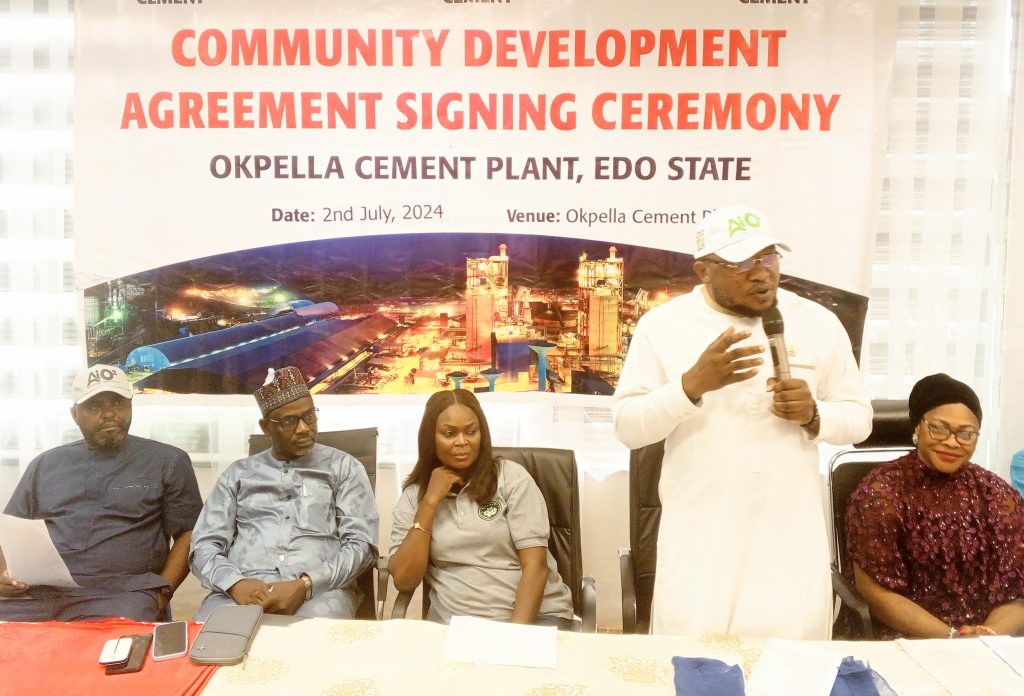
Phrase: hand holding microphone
[773,328]
[792,399]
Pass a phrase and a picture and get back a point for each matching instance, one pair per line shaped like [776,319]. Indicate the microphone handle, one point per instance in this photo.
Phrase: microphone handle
[780,358]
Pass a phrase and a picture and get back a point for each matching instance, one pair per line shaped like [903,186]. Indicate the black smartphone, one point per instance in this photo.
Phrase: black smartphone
[170,640]
[137,656]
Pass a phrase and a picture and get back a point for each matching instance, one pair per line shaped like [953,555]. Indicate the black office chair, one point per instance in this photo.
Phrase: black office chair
[555,472]
[637,563]
[891,431]
[891,426]
[361,443]
[846,470]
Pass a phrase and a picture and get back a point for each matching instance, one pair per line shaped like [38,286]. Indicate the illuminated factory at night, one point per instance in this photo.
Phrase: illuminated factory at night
[600,311]
[565,334]
[586,331]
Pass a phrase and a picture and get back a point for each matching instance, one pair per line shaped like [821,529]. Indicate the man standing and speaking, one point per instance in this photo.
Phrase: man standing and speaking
[742,546]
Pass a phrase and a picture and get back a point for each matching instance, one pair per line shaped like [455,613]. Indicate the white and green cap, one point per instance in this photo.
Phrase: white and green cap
[735,233]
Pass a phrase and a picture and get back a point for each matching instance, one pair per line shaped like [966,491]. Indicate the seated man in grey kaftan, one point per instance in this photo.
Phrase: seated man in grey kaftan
[290,528]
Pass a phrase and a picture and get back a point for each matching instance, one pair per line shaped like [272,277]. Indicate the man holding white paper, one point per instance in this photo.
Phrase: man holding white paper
[119,510]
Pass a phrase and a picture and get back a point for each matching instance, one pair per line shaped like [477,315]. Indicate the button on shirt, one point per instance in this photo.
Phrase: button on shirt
[269,519]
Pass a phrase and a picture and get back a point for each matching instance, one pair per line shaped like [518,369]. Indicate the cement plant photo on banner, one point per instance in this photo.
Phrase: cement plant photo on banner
[399,314]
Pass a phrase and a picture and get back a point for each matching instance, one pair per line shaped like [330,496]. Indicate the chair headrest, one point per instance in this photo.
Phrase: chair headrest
[891,426]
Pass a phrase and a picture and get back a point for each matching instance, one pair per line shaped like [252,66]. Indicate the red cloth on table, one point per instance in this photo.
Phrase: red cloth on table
[53,657]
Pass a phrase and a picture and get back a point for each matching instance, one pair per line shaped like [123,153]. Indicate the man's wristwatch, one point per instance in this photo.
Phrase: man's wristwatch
[166,592]
[308,583]
[815,420]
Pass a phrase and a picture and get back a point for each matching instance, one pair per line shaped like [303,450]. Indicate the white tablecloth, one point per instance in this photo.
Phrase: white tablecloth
[358,658]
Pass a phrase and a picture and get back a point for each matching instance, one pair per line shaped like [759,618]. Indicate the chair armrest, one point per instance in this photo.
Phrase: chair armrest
[382,585]
[628,590]
[854,602]
[588,600]
[401,605]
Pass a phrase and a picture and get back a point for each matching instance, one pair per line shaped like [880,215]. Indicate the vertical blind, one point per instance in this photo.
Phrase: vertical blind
[936,288]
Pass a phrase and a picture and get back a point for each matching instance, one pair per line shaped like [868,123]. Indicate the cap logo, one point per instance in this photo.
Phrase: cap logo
[104,375]
[743,223]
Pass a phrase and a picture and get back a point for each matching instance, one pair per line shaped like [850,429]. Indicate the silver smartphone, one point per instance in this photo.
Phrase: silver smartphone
[170,640]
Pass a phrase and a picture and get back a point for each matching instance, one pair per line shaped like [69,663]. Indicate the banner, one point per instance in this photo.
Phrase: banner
[398,197]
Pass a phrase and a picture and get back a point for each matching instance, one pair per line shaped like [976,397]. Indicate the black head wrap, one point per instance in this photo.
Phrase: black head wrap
[938,390]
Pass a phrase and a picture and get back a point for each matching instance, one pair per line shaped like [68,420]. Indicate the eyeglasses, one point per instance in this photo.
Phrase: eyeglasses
[941,432]
[292,422]
[766,261]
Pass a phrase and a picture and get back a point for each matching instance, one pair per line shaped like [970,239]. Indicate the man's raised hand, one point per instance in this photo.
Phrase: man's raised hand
[720,364]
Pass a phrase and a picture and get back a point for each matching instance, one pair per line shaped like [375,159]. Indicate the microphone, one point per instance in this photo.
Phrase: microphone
[773,327]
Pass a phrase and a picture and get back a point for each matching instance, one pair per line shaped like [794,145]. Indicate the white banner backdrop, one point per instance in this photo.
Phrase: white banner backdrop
[211,128]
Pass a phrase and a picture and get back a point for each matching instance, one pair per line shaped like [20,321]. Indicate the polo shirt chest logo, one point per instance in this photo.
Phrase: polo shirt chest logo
[490,510]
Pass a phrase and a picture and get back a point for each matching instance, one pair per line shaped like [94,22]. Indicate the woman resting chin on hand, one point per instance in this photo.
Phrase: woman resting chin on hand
[475,526]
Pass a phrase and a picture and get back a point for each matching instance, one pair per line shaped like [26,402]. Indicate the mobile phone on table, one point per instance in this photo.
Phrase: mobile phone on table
[170,640]
[136,657]
[116,650]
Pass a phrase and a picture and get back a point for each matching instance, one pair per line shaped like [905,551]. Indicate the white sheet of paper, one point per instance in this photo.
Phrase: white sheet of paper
[789,667]
[497,643]
[31,556]
[1009,648]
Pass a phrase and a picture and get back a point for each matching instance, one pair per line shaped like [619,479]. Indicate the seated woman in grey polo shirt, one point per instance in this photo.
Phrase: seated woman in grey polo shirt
[474,525]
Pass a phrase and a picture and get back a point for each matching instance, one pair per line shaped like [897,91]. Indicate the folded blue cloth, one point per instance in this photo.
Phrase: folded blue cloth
[702,676]
[857,679]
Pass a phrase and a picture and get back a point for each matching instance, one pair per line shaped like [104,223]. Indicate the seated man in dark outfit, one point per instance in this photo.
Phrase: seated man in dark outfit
[119,508]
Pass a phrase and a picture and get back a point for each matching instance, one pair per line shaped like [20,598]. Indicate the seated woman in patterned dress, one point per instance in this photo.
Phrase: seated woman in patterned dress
[474,525]
[937,542]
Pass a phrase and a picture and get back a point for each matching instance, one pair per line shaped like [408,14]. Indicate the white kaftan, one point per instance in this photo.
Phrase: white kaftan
[742,546]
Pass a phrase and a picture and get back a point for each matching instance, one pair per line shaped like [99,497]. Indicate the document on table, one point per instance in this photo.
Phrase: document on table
[30,554]
[497,643]
[1009,648]
[790,667]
